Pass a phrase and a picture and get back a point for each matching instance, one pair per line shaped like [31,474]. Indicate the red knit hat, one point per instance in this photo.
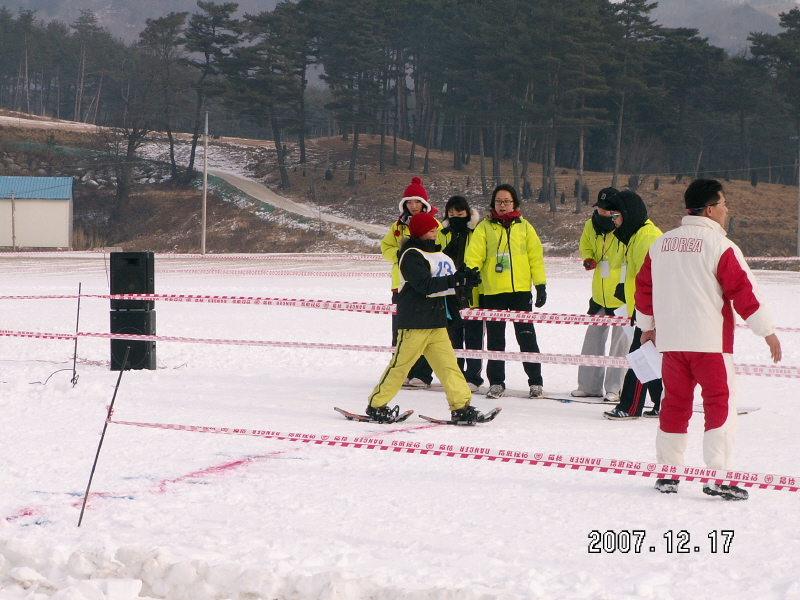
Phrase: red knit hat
[415,191]
[421,223]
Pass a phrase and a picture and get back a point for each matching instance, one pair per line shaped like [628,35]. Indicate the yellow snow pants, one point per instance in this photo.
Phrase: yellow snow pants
[435,345]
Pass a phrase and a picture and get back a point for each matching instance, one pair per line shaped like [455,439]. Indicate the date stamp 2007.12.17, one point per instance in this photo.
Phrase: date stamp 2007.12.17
[677,542]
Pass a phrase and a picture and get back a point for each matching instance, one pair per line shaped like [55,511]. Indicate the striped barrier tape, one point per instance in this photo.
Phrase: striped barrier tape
[520,457]
[772,258]
[471,314]
[379,308]
[562,359]
[298,256]
[276,273]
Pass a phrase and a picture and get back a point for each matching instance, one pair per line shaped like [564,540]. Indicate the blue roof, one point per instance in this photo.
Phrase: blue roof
[46,188]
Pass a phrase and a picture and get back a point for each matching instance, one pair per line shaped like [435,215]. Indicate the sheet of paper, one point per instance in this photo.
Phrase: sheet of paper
[646,362]
[622,311]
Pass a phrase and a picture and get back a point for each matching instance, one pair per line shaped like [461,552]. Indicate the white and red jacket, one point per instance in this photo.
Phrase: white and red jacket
[692,280]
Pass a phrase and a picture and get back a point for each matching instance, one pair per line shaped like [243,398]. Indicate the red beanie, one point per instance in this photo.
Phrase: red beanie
[415,191]
[421,223]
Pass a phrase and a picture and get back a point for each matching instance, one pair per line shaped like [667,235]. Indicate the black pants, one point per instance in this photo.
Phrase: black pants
[632,396]
[472,335]
[496,336]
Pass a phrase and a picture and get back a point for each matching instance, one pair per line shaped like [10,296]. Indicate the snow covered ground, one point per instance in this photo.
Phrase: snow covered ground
[186,515]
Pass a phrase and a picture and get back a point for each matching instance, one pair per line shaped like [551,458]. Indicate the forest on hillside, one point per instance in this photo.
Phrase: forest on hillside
[585,85]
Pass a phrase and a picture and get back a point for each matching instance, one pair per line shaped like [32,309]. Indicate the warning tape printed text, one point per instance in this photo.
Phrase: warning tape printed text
[563,359]
[562,461]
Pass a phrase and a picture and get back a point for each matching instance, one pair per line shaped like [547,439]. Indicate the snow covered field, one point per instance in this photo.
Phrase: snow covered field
[177,514]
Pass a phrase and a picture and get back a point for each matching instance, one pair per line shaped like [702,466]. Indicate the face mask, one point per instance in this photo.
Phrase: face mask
[458,224]
[602,224]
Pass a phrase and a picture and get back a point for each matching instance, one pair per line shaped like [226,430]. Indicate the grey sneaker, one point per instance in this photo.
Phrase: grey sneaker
[726,492]
[582,394]
[416,383]
[496,391]
[611,397]
[667,486]
[536,391]
[472,387]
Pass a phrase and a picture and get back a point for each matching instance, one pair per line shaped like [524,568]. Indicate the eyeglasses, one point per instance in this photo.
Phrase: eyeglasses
[503,202]
[614,215]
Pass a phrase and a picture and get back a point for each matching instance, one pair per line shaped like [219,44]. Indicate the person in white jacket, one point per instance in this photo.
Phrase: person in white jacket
[692,280]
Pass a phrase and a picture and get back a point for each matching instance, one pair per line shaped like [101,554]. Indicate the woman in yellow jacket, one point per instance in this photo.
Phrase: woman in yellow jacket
[509,254]
[415,200]
[637,232]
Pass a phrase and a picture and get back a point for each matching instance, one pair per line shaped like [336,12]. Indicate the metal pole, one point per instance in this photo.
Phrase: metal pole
[205,188]
[798,192]
[13,223]
[75,353]
[103,435]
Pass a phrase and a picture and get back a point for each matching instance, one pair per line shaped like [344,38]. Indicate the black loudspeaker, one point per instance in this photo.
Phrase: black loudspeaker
[133,322]
[132,273]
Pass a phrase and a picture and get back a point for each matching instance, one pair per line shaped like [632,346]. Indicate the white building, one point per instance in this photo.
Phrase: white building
[36,212]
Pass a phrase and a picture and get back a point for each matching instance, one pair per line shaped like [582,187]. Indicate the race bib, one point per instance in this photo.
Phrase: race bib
[441,266]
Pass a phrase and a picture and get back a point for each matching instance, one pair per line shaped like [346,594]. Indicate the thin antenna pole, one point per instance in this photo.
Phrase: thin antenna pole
[205,187]
[75,352]
[13,223]
[103,435]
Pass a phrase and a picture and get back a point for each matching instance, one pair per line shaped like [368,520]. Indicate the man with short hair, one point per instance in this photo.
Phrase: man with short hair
[692,280]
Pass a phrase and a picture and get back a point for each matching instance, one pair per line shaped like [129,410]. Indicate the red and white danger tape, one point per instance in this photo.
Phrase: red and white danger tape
[472,314]
[521,457]
[284,273]
[289,257]
[562,359]
[772,258]
[297,256]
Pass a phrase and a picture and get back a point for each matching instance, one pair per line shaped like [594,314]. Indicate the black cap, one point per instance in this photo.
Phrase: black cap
[606,199]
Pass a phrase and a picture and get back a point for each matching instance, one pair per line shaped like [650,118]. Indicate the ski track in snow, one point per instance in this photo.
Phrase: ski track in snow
[186,515]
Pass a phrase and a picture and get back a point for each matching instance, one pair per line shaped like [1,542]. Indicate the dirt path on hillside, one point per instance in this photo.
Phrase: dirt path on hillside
[263,193]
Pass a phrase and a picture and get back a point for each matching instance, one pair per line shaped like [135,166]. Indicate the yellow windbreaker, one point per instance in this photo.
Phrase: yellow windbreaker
[390,244]
[517,248]
[599,248]
[635,253]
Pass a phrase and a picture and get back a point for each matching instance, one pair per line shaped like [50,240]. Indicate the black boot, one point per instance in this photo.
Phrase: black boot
[466,414]
[383,414]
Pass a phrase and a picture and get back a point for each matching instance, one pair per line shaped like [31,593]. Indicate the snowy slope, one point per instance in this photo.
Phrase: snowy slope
[178,514]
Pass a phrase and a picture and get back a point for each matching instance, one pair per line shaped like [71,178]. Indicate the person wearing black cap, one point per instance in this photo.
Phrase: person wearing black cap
[603,253]
[692,280]
[509,254]
[426,306]
[637,232]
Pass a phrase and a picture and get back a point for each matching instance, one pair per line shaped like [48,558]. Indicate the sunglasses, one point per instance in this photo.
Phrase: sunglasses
[614,215]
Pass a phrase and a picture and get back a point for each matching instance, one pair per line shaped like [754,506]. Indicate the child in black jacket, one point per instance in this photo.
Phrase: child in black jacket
[426,306]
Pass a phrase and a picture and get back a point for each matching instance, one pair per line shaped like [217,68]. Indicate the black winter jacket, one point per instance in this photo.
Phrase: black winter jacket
[415,310]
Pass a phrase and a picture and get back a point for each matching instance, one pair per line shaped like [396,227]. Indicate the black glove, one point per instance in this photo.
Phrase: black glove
[467,278]
[541,295]
[619,293]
